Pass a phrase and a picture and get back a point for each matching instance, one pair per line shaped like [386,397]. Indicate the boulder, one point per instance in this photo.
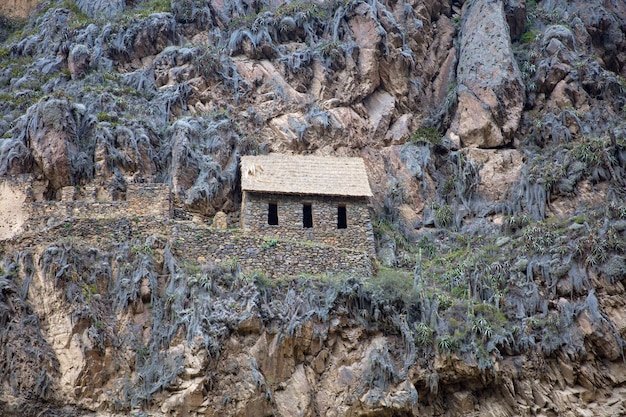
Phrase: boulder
[295,399]
[220,221]
[387,251]
[367,35]
[58,150]
[600,335]
[604,22]
[400,131]
[475,123]
[560,33]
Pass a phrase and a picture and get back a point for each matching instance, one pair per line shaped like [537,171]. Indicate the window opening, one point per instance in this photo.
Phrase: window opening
[307,216]
[342,218]
[272,214]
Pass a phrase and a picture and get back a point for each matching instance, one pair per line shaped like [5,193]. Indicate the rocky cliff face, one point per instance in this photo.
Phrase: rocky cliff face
[18,8]
[494,137]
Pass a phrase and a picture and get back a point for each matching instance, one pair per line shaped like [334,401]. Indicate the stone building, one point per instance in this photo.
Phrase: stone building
[307,198]
[24,208]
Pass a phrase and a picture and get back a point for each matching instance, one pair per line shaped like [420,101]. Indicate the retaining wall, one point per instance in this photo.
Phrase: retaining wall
[274,257]
[23,209]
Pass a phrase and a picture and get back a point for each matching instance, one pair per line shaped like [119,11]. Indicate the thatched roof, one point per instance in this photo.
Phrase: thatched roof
[312,175]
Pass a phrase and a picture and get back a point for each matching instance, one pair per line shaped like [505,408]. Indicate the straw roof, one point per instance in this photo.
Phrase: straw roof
[317,175]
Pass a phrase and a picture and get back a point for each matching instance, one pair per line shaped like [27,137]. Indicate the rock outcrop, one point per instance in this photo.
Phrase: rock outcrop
[18,8]
[490,88]
[57,132]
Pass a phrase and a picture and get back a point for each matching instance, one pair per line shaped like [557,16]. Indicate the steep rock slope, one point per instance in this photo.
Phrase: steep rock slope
[498,172]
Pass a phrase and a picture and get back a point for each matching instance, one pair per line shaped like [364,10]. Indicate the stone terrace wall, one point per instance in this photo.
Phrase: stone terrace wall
[199,245]
[358,235]
[44,214]
[142,200]
[273,257]
[149,200]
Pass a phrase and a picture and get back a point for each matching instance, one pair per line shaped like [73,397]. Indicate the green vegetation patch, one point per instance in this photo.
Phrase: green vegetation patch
[391,285]
[427,134]
[147,7]
[529,36]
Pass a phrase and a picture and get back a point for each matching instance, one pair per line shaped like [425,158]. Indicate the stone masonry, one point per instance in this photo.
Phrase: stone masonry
[26,210]
[357,235]
[273,257]
[147,209]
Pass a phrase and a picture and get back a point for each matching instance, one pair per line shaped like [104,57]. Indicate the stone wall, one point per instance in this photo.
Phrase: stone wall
[274,257]
[147,209]
[142,200]
[152,200]
[196,245]
[21,209]
[42,214]
[358,234]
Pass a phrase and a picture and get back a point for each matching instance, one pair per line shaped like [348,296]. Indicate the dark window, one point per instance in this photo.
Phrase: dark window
[342,218]
[272,214]
[307,216]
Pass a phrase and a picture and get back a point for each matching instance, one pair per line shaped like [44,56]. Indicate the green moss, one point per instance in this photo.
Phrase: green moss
[106,117]
[21,101]
[145,8]
[20,65]
[529,36]
[427,247]
[5,54]
[311,10]
[10,28]
[269,243]
[191,268]
[385,227]
[314,10]
[427,134]
[243,21]
[262,281]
